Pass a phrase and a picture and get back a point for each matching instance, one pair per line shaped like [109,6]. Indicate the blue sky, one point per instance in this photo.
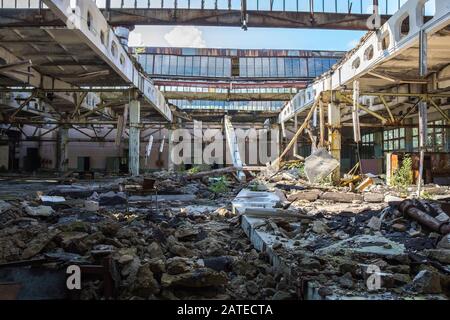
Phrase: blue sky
[253,38]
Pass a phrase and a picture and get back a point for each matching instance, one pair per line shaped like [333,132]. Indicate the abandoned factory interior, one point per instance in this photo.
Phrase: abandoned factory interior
[224,150]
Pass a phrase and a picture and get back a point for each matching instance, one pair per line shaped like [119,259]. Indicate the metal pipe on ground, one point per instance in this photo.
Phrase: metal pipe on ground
[408,208]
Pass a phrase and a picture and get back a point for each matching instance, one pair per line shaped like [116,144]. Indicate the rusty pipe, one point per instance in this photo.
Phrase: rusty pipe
[408,208]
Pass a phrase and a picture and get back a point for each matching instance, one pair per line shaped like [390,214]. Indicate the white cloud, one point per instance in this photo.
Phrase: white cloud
[185,36]
[135,39]
[353,43]
[166,36]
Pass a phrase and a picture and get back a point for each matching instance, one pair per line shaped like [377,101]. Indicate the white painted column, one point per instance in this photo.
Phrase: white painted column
[62,149]
[334,136]
[134,140]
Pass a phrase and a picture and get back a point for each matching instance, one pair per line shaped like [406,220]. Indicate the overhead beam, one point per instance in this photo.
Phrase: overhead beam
[199,17]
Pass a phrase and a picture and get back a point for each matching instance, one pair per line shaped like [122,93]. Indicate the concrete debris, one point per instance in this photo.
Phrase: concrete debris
[255,241]
[319,165]
[40,211]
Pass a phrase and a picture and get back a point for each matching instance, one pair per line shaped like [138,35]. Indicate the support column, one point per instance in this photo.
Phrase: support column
[62,150]
[334,136]
[134,137]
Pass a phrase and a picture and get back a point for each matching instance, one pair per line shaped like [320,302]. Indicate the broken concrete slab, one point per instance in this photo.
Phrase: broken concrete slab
[40,211]
[319,165]
[341,197]
[373,197]
[308,195]
[253,199]
[365,244]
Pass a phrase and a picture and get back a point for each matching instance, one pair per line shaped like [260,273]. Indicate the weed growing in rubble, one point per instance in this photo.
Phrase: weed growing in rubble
[220,185]
[403,176]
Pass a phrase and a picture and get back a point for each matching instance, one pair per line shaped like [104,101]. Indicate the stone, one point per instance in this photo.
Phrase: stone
[145,284]
[309,263]
[4,206]
[199,278]
[186,234]
[177,265]
[325,291]
[126,259]
[112,198]
[38,244]
[444,243]
[283,295]
[252,287]
[341,197]
[390,198]
[157,265]
[373,197]
[319,227]
[427,282]
[178,249]
[309,195]
[365,245]
[71,241]
[223,212]
[442,217]
[277,245]
[40,211]
[400,227]
[91,206]
[154,250]
[441,255]
[374,223]
[346,281]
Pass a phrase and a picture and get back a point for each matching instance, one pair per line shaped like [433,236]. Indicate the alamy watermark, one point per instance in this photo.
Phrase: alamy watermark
[213,146]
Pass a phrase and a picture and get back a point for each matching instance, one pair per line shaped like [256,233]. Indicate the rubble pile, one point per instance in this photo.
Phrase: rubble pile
[347,245]
[176,249]
[171,236]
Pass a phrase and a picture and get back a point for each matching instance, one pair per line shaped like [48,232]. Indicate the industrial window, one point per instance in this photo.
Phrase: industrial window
[204,66]
[281,70]
[157,67]
[265,67]
[250,67]
[436,137]
[196,66]
[273,68]
[188,66]
[149,63]
[219,67]
[243,67]
[211,67]
[172,65]
[165,65]
[289,68]
[368,139]
[394,140]
[258,67]
[180,66]
[311,68]
[303,68]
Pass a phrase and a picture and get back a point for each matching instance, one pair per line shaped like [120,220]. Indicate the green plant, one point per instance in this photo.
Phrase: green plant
[193,170]
[403,176]
[220,185]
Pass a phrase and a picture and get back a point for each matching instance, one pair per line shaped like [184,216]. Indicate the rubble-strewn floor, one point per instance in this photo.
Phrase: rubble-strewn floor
[189,245]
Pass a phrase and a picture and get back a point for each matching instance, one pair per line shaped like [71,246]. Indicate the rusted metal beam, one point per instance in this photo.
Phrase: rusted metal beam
[408,208]
[200,17]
